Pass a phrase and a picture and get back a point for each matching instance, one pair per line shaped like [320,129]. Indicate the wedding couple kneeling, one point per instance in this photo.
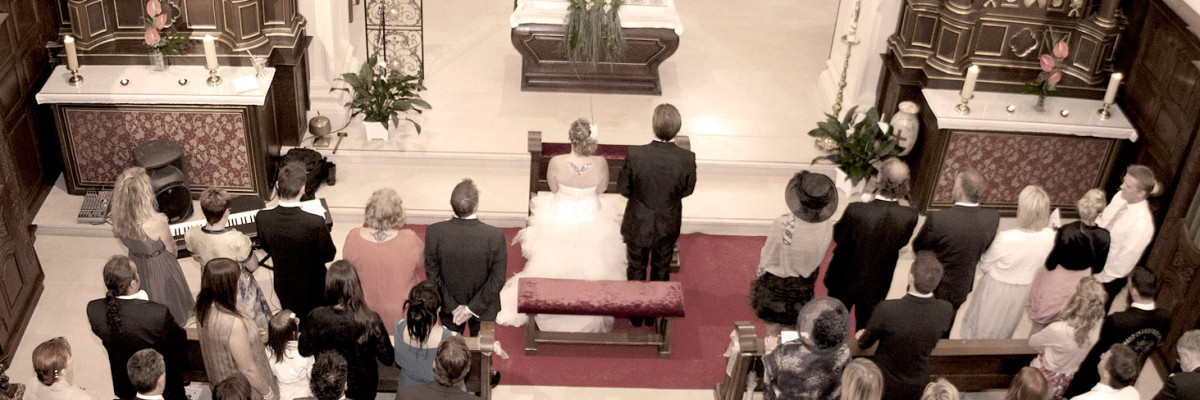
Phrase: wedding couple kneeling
[576,234]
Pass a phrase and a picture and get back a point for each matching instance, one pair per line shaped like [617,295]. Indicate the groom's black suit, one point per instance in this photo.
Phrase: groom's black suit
[468,260]
[656,177]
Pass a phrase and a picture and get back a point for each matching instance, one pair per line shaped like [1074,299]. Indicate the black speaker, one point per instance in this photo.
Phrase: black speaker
[163,161]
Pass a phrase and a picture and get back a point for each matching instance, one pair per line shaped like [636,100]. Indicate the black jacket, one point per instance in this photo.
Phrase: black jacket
[1132,326]
[869,238]
[330,329]
[656,177]
[907,330]
[468,260]
[143,325]
[958,235]
[299,245]
[1181,386]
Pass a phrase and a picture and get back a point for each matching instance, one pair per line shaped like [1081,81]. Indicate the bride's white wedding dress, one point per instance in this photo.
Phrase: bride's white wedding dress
[571,235]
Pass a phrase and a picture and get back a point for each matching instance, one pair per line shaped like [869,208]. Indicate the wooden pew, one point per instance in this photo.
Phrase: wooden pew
[971,365]
[540,154]
[478,380]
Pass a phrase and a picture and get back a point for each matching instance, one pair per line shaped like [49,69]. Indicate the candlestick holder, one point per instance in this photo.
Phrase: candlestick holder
[1103,111]
[213,78]
[76,79]
[962,107]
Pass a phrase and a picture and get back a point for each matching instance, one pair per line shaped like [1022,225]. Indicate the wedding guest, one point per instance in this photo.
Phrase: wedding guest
[451,368]
[145,232]
[328,381]
[51,362]
[1063,344]
[1184,385]
[350,328]
[126,321]
[941,389]
[147,372]
[229,340]
[862,380]
[1130,225]
[810,367]
[290,368]
[796,244]
[1028,384]
[236,387]
[218,240]
[1118,370]
[468,260]
[418,336]
[1080,249]
[298,241]
[389,259]
[1008,267]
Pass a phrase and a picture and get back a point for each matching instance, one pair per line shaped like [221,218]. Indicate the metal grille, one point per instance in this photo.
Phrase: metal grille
[396,34]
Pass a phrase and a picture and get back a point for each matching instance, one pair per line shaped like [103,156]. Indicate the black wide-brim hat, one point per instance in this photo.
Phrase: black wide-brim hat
[812,197]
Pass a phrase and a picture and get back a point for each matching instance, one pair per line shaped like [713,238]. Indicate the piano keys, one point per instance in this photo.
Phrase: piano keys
[243,222]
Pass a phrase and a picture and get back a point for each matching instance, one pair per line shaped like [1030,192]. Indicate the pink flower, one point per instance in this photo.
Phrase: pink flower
[1061,50]
[160,21]
[1055,77]
[1047,62]
[153,8]
[152,37]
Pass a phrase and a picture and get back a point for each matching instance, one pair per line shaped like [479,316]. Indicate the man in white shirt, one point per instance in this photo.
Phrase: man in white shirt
[148,374]
[1130,226]
[1118,370]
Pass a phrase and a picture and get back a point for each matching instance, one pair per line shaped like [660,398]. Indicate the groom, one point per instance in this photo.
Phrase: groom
[656,177]
[468,260]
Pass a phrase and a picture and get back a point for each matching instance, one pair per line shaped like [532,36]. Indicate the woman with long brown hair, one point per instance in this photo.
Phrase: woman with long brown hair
[145,232]
[346,325]
[1064,344]
[229,340]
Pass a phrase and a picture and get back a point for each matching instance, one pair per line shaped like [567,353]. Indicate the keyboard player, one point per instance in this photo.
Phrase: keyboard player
[216,239]
[298,242]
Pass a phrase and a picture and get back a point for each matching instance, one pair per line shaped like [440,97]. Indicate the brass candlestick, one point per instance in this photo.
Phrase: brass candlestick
[213,78]
[962,108]
[76,79]
[850,41]
[1103,112]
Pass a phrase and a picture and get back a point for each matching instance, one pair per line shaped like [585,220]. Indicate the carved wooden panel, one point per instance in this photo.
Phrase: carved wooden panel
[201,14]
[1176,262]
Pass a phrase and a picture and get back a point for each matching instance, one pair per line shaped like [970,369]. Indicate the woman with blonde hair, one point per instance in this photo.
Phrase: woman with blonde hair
[941,389]
[1008,267]
[1080,249]
[1064,344]
[147,235]
[390,260]
[51,362]
[862,380]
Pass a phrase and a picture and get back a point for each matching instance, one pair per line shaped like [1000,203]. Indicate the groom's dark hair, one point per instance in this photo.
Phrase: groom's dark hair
[666,121]
[464,198]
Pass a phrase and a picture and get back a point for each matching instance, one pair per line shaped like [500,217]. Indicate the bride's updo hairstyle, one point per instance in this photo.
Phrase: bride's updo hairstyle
[582,141]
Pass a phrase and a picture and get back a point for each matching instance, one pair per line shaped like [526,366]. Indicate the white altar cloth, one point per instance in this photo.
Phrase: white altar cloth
[989,113]
[634,14]
[102,85]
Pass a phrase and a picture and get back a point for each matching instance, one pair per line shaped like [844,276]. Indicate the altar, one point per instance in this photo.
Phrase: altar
[1067,149]
[228,134]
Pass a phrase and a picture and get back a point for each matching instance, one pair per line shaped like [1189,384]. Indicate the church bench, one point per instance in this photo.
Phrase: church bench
[662,300]
[478,380]
[541,152]
[971,365]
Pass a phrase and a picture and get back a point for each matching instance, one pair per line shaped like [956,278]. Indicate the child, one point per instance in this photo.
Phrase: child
[217,240]
[291,370]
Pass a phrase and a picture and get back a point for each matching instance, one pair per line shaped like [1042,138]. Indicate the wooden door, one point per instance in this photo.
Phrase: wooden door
[20,275]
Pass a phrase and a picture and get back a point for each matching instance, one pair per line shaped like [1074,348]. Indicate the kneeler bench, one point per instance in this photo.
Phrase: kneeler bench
[662,300]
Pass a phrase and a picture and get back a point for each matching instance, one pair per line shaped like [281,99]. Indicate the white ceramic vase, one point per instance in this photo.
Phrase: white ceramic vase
[906,125]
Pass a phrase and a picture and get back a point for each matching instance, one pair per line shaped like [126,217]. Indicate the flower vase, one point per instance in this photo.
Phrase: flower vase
[1040,106]
[158,62]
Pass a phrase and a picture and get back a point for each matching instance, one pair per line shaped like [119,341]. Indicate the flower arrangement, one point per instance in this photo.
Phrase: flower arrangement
[593,32]
[381,94]
[856,147]
[168,41]
[1051,74]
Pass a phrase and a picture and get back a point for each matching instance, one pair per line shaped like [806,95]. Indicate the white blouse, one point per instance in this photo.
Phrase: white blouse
[292,372]
[1015,256]
[1057,348]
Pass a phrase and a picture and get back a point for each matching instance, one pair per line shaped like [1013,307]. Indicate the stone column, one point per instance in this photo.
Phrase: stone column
[877,21]
[337,47]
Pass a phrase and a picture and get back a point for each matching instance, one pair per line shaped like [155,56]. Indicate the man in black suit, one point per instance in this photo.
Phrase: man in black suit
[1184,385]
[126,321]
[959,235]
[1141,327]
[869,237]
[656,177]
[298,241]
[907,330]
[468,260]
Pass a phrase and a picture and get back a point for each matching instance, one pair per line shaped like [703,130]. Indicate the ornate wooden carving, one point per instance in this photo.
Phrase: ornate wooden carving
[1177,263]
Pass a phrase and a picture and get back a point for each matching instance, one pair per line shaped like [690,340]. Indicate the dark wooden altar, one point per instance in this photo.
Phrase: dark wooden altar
[545,68]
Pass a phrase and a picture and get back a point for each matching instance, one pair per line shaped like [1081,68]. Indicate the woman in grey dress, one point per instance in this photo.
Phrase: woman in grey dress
[145,232]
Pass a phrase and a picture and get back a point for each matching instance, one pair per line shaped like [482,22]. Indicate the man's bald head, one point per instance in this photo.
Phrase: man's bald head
[969,186]
[893,178]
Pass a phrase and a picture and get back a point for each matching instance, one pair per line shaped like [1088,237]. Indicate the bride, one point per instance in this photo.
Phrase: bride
[571,235]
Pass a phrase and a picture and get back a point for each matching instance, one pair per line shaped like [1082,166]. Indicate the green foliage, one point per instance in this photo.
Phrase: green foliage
[593,32]
[857,152]
[383,95]
[173,42]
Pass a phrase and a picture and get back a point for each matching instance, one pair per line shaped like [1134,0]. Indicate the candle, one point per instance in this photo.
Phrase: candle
[1110,96]
[210,53]
[968,88]
[72,58]
[854,20]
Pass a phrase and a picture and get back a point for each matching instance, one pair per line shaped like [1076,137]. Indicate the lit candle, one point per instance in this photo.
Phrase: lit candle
[1110,96]
[72,58]
[968,88]
[210,52]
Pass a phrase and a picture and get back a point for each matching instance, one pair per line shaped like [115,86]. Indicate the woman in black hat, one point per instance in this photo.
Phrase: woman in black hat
[796,245]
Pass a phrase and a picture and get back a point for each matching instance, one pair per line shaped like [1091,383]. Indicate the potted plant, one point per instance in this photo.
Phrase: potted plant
[383,95]
[161,37]
[856,147]
[593,32]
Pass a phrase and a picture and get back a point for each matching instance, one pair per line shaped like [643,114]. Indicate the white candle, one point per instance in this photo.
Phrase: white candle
[1110,96]
[72,58]
[210,52]
[968,88]
[854,20]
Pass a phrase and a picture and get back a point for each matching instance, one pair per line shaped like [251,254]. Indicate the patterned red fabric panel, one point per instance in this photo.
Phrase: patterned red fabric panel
[214,143]
[1065,166]
[609,151]
[615,298]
